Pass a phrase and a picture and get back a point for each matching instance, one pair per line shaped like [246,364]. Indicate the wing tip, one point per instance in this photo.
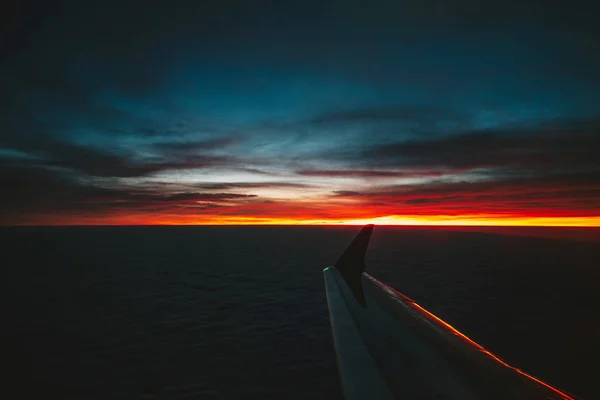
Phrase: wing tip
[351,263]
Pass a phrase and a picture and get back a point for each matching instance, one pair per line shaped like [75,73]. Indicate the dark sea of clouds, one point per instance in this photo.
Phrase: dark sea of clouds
[240,312]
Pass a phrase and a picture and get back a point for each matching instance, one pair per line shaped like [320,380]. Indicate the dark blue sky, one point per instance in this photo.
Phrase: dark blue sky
[283,109]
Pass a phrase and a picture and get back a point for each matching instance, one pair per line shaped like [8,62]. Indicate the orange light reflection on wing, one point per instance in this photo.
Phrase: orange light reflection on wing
[473,343]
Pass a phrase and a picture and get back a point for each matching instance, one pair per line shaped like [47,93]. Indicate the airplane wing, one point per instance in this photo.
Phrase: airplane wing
[389,347]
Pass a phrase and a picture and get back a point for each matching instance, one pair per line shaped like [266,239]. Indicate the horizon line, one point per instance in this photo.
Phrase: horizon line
[302,224]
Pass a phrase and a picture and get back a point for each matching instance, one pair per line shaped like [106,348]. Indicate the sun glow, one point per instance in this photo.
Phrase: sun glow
[478,220]
[144,218]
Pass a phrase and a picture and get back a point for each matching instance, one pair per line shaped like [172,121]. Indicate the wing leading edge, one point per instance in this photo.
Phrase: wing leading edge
[390,347]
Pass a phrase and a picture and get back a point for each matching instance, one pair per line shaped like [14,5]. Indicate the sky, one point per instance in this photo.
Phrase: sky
[283,112]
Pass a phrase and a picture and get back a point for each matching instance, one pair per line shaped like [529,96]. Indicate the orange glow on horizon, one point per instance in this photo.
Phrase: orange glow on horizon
[392,220]
[481,220]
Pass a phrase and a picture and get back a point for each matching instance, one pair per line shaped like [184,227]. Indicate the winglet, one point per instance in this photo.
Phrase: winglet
[351,263]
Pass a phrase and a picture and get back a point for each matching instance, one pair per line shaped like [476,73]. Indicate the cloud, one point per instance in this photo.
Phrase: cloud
[564,145]
[194,196]
[252,185]
[420,116]
[346,193]
[368,173]
[29,191]
[549,170]
[192,146]
[208,88]
[568,194]
[106,163]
